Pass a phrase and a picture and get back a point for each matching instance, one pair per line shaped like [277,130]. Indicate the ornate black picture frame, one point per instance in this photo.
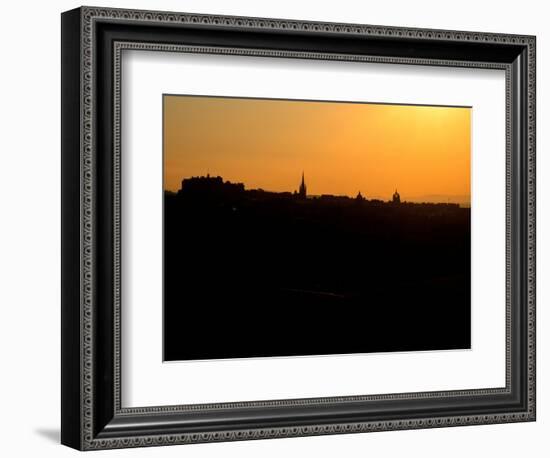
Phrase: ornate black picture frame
[92,42]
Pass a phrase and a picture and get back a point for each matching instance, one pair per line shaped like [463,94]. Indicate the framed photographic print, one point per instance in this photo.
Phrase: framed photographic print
[277,228]
[314,250]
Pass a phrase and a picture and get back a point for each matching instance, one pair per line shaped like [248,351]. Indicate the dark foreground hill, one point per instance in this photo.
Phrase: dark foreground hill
[252,273]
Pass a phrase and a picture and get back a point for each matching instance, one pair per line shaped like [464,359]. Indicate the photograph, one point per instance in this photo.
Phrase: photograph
[314,227]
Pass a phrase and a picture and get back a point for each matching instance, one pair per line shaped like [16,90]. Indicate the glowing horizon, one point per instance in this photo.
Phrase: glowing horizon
[343,148]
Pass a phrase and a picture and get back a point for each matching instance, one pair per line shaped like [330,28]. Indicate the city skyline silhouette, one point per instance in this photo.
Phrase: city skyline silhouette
[301,190]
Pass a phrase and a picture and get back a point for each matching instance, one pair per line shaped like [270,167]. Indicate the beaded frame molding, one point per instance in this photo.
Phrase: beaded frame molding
[92,42]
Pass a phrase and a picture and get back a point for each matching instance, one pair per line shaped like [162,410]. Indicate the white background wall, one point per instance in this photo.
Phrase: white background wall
[30,227]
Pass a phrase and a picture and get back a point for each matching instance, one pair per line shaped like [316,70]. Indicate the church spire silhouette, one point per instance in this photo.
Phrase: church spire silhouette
[396,198]
[303,189]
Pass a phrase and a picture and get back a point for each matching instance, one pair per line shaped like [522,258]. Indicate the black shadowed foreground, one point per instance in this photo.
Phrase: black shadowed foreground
[250,273]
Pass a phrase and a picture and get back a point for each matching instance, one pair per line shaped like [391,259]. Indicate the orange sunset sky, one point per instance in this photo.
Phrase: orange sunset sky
[343,148]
